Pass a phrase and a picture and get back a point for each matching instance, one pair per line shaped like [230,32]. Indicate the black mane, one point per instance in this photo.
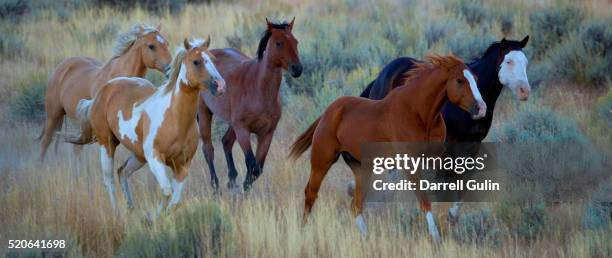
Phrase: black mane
[266,37]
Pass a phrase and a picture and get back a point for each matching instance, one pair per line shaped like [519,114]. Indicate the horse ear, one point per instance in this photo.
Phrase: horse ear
[207,43]
[141,29]
[524,41]
[291,23]
[159,27]
[268,23]
[186,44]
[504,41]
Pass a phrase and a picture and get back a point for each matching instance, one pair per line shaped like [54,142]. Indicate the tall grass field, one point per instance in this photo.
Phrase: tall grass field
[343,45]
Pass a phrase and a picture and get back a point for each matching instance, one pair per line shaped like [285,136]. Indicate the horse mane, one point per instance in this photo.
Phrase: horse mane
[433,61]
[266,37]
[175,69]
[125,40]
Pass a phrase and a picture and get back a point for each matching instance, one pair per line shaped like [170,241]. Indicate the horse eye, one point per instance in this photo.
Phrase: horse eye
[460,81]
[152,47]
[196,63]
[278,43]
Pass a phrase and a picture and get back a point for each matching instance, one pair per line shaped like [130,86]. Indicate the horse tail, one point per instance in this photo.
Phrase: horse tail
[86,135]
[303,142]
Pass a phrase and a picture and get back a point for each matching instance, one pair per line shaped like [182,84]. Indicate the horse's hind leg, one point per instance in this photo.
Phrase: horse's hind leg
[205,124]
[320,161]
[107,153]
[125,171]
[426,208]
[54,119]
[358,196]
[228,142]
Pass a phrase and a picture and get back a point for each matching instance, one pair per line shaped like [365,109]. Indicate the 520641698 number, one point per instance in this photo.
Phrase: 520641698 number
[36,244]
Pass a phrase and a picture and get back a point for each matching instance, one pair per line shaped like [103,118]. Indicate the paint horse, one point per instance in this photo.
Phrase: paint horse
[157,125]
[252,105]
[410,113]
[77,78]
[503,65]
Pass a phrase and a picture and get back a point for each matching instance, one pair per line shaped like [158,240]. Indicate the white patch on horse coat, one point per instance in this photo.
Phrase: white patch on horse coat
[361,225]
[473,86]
[155,107]
[159,170]
[513,69]
[431,226]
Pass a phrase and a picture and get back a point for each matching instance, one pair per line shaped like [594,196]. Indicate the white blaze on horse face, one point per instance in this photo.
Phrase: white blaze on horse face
[212,70]
[160,39]
[513,74]
[482,107]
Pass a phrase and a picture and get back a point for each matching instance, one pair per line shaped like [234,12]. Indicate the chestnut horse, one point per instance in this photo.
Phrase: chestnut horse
[79,78]
[252,105]
[156,124]
[410,113]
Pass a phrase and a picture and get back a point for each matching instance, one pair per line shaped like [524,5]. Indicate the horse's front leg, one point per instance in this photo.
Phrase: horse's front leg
[244,139]
[263,146]
[178,182]
[159,170]
[228,143]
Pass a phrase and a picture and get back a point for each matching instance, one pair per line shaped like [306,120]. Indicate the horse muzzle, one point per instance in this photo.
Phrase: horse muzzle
[522,91]
[216,87]
[478,110]
[295,70]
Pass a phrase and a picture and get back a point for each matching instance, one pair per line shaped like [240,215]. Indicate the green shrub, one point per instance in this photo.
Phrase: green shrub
[156,6]
[473,11]
[436,31]
[553,25]
[28,104]
[604,109]
[539,126]
[11,45]
[479,227]
[201,230]
[14,9]
[469,47]
[533,220]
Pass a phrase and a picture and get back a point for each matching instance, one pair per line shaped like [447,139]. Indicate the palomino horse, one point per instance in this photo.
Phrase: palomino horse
[252,104]
[79,78]
[156,124]
[503,65]
[410,113]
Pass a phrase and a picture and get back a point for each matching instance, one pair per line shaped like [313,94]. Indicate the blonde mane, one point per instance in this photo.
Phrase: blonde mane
[433,61]
[125,40]
[173,75]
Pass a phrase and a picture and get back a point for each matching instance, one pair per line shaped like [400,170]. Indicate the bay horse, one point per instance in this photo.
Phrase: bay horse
[157,125]
[409,114]
[503,64]
[76,78]
[252,105]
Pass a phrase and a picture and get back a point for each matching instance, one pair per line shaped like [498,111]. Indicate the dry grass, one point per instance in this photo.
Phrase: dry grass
[64,198]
